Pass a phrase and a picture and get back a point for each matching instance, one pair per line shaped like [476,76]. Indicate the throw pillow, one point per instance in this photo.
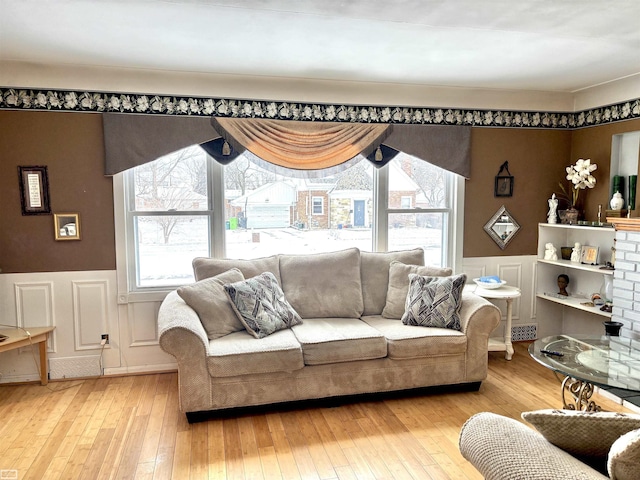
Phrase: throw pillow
[260,305]
[583,434]
[399,285]
[624,457]
[209,300]
[434,301]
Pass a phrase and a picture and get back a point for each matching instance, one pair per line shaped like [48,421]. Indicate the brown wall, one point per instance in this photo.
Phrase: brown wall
[595,143]
[71,146]
[537,159]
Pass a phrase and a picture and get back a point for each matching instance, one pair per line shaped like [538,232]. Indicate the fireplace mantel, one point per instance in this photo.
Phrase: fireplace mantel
[625,224]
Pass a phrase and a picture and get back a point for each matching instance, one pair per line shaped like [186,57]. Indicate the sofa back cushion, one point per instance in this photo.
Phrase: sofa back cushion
[204,267]
[323,285]
[374,270]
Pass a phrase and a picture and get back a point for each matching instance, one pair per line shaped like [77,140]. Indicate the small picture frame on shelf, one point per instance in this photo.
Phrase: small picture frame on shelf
[66,226]
[589,255]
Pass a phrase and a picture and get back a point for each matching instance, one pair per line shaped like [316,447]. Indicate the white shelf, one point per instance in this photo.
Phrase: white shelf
[574,302]
[558,314]
[577,266]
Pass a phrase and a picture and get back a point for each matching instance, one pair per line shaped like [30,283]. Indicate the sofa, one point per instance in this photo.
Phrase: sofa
[321,325]
[566,444]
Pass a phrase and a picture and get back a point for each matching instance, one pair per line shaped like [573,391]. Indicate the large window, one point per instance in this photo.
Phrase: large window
[185,205]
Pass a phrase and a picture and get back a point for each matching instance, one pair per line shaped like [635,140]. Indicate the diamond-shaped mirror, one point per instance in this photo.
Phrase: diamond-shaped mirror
[502,227]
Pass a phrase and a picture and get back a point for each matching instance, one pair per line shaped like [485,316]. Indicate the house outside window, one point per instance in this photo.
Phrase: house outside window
[185,205]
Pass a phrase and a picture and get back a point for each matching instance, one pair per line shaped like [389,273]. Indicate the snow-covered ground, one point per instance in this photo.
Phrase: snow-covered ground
[170,264]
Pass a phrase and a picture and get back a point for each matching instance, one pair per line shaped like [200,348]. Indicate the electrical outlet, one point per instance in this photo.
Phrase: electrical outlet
[105,336]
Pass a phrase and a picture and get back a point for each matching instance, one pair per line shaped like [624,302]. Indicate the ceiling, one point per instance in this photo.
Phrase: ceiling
[562,46]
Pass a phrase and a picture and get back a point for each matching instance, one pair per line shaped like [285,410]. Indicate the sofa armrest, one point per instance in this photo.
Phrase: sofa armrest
[478,318]
[182,335]
[503,448]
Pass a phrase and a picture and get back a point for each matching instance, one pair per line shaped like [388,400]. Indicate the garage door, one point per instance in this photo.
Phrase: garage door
[267,216]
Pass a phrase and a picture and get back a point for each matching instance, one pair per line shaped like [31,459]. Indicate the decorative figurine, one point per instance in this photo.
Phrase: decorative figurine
[550,252]
[563,282]
[575,253]
[553,207]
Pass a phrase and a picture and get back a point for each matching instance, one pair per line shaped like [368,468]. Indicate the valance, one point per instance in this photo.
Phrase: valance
[132,140]
[301,145]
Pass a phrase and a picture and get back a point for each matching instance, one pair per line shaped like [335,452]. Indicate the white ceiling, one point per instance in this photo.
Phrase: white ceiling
[562,46]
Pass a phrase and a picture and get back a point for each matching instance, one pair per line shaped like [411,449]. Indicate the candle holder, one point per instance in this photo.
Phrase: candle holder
[633,180]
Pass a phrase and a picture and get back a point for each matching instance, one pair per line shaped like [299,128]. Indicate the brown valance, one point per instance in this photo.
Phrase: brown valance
[132,140]
[301,145]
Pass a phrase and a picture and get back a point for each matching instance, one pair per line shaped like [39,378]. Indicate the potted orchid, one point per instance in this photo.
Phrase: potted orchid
[580,176]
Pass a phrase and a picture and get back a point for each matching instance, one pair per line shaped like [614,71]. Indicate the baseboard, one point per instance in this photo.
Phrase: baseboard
[141,369]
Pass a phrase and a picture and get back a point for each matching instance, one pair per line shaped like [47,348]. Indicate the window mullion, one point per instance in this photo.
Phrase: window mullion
[217,235]
[380,208]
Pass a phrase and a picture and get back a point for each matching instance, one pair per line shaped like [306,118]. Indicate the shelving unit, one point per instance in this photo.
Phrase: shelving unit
[557,314]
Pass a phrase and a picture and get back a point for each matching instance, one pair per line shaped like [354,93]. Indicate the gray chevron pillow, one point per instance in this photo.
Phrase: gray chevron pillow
[434,301]
[260,305]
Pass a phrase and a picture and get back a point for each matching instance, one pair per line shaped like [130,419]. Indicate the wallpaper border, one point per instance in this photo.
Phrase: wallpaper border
[86,101]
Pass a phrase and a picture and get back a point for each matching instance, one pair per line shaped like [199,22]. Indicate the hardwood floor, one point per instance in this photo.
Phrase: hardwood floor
[130,427]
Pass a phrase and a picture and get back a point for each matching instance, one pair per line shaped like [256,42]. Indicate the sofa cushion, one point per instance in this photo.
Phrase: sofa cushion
[332,340]
[323,285]
[241,354]
[399,285]
[434,301]
[261,306]
[587,435]
[624,457]
[374,271]
[208,298]
[406,341]
[204,267]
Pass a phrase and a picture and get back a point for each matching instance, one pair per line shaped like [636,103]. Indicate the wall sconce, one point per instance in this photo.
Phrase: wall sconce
[504,183]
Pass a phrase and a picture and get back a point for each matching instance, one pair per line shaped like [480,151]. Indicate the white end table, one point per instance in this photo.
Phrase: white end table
[508,294]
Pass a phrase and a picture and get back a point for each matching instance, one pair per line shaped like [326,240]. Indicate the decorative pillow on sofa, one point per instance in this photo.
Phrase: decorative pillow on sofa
[434,301]
[374,273]
[261,306]
[624,457]
[587,435]
[399,285]
[209,300]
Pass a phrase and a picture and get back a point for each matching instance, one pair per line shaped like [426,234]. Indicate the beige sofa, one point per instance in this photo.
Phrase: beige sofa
[351,339]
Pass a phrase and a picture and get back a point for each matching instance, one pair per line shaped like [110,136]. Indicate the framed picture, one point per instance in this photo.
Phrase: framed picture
[503,186]
[589,255]
[67,226]
[34,190]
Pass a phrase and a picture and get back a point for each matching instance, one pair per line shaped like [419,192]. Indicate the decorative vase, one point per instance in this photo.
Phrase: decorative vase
[612,328]
[617,202]
[569,216]
[606,290]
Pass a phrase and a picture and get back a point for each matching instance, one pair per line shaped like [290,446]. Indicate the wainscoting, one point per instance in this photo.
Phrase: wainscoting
[84,305]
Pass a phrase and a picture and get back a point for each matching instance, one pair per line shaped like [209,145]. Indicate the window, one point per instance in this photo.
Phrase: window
[186,205]
[317,205]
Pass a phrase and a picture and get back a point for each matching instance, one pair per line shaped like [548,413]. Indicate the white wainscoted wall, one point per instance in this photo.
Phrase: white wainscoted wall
[84,305]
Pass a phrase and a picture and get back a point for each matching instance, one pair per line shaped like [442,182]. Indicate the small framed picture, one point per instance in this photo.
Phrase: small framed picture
[34,190]
[589,255]
[503,186]
[67,226]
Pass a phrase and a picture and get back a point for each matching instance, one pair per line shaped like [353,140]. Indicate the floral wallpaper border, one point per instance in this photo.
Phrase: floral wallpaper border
[77,101]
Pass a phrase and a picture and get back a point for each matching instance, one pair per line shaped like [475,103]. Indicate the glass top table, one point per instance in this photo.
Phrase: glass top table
[588,360]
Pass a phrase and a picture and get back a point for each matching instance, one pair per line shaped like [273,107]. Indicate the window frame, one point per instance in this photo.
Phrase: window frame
[313,205]
[126,254]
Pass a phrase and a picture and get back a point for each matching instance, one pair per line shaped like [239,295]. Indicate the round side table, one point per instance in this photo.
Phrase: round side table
[508,294]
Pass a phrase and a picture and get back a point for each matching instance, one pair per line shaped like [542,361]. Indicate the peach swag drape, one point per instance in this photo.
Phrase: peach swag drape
[301,145]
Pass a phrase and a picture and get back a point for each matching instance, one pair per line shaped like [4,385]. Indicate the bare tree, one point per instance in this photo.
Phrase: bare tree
[243,175]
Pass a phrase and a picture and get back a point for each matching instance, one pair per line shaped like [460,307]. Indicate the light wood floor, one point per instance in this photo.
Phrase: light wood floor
[130,427]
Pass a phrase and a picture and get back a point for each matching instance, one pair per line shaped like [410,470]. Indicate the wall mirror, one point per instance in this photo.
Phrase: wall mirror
[502,227]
